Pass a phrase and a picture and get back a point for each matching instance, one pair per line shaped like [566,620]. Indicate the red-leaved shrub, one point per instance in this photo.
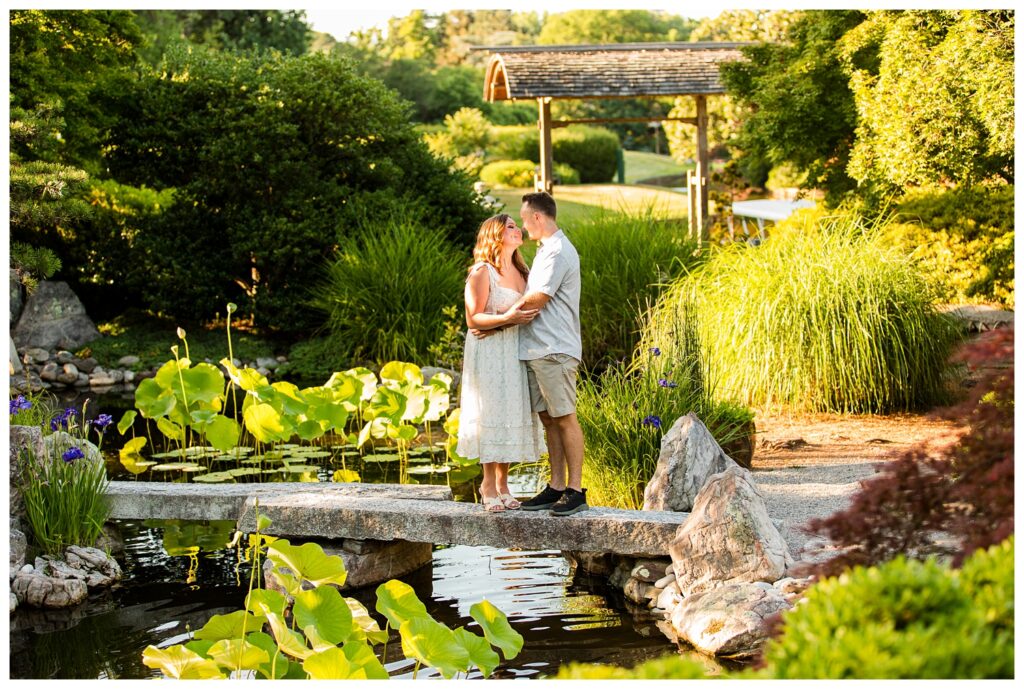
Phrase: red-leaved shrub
[967,492]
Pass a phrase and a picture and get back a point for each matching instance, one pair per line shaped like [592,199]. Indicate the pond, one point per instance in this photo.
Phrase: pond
[179,574]
[563,616]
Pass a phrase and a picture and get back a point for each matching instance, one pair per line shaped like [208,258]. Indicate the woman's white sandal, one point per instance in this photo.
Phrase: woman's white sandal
[494,504]
[509,502]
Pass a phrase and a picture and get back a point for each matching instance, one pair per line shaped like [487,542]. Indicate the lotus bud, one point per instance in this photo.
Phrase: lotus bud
[232,307]
[181,333]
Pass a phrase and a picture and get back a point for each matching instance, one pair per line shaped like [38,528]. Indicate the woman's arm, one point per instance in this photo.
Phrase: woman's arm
[477,290]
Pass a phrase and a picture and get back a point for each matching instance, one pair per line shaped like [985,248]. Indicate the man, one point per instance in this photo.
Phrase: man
[552,348]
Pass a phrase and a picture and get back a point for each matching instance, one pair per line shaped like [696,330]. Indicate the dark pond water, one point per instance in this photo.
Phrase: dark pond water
[562,616]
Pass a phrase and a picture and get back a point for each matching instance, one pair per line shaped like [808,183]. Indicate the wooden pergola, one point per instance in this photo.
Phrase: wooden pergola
[625,70]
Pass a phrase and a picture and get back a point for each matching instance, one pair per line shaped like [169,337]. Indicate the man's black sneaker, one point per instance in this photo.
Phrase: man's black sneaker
[572,501]
[543,500]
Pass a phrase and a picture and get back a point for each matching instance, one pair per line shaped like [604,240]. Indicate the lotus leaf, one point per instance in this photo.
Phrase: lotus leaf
[324,608]
[310,430]
[433,644]
[309,562]
[451,424]
[214,477]
[222,432]
[345,476]
[346,387]
[126,421]
[385,403]
[428,469]
[288,640]
[362,656]
[480,652]
[238,654]
[496,628]
[167,375]
[203,383]
[230,626]
[364,626]
[130,456]
[265,423]
[402,432]
[332,664]
[277,663]
[171,429]
[367,378]
[178,662]
[152,400]
[381,458]
[397,601]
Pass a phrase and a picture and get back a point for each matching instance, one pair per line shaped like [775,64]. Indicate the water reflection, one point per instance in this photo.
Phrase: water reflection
[562,616]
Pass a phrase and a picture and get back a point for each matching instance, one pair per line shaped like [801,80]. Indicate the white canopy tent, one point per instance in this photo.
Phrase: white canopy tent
[766,209]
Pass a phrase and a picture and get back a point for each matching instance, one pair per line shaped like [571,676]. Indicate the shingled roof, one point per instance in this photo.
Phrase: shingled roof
[623,70]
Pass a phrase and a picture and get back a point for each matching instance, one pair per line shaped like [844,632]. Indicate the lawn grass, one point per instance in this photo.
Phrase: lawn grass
[642,165]
[579,203]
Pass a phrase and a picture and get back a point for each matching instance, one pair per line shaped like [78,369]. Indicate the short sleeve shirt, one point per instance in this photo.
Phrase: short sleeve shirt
[556,329]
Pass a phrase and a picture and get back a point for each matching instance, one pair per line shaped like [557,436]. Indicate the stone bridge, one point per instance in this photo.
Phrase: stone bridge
[387,512]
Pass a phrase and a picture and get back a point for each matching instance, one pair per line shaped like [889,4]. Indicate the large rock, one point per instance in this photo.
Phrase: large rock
[368,563]
[728,538]
[728,621]
[101,570]
[19,546]
[15,366]
[17,298]
[59,442]
[23,439]
[36,589]
[54,318]
[689,456]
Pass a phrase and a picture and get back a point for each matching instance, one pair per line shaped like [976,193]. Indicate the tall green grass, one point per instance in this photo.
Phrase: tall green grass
[659,387]
[825,316]
[625,260]
[384,294]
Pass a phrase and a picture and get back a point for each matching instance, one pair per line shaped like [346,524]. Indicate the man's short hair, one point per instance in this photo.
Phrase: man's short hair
[541,202]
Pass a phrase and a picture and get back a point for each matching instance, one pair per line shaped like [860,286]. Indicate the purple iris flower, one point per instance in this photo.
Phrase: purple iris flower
[652,421]
[655,351]
[19,403]
[666,383]
[72,454]
[58,421]
[102,421]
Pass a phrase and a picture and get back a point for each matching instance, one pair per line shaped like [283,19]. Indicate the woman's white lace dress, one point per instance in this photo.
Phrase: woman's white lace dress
[496,423]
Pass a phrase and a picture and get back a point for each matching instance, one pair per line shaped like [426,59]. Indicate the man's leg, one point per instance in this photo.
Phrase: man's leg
[570,437]
[556,451]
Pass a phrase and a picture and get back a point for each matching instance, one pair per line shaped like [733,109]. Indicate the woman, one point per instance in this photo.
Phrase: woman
[496,423]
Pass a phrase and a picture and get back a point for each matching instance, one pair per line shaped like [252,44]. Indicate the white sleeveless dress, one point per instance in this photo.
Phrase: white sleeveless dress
[496,424]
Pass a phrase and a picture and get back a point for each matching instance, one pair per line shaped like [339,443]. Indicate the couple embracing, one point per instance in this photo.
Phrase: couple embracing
[521,359]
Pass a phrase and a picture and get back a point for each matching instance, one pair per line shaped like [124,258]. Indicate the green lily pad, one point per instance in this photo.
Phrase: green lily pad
[311,454]
[214,477]
[429,469]
[298,468]
[380,458]
[187,467]
[243,471]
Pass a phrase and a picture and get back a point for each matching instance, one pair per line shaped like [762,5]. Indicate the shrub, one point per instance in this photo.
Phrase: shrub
[963,239]
[517,174]
[823,317]
[592,151]
[626,410]
[274,160]
[625,260]
[314,360]
[514,143]
[565,174]
[895,621]
[966,492]
[384,294]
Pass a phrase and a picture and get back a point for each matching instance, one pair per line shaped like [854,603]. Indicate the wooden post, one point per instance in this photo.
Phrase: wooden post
[691,200]
[702,166]
[546,160]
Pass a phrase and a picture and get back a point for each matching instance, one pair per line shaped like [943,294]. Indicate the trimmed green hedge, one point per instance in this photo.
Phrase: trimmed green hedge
[516,174]
[592,151]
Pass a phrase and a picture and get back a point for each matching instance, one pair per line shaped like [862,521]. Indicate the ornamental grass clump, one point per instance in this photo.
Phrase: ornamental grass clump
[824,316]
[65,490]
[625,260]
[384,294]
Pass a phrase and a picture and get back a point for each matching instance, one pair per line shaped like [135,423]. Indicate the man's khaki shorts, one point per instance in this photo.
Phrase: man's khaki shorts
[553,384]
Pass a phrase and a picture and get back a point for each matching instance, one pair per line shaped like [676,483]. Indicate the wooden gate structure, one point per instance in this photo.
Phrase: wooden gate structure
[624,70]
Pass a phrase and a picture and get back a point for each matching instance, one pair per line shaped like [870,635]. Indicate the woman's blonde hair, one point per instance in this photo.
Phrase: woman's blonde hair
[488,245]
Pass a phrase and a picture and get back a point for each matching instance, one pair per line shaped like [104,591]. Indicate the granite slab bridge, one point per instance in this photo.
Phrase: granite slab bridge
[389,512]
